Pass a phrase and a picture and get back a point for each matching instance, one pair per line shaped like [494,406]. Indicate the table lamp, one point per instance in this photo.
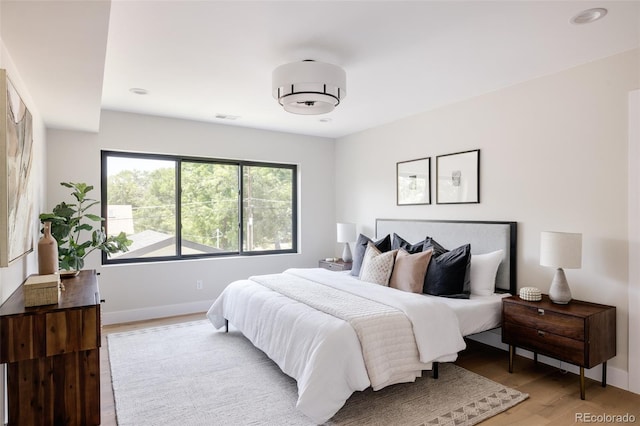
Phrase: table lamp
[346,233]
[560,250]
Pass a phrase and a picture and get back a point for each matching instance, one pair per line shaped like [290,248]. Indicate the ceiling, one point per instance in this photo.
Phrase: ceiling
[199,59]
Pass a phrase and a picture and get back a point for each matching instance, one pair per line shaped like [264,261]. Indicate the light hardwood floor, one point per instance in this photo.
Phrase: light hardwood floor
[554,396]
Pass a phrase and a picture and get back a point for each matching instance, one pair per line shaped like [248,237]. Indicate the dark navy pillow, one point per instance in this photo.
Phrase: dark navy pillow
[438,250]
[383,244]
[398,243]
[448,271]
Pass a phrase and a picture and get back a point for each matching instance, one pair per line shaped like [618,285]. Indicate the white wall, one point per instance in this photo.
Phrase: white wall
[634,241]
[160,289]
[553,157]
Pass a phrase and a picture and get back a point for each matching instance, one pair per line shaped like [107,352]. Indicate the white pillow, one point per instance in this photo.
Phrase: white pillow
[377,266]
[484,268]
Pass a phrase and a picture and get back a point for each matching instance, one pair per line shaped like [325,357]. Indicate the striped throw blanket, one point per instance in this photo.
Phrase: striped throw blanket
[385,333]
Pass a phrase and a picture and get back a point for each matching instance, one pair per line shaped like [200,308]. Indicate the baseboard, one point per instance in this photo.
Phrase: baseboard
[615,376]
[154,312]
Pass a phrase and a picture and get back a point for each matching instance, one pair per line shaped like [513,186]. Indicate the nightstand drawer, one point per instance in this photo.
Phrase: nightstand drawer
[545,320]
[569,350]
[338,265]
[334,266]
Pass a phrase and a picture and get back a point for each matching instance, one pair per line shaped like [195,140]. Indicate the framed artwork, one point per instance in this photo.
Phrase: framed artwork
[16,161]
[458,178]
[413,182]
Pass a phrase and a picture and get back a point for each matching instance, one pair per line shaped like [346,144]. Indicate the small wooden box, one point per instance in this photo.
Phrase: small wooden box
[41,290]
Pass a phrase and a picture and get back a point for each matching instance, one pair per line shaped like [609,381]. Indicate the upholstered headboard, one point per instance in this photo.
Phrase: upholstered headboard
[484,237]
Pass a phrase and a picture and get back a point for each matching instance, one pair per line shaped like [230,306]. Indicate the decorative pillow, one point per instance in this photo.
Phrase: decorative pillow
[398,242]
[376,265]
[484,268]
[383,244]
[409,270]
[446,273]
[438,250]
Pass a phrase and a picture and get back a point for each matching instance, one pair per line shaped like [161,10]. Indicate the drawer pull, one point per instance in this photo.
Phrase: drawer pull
[540,311]
[541,333]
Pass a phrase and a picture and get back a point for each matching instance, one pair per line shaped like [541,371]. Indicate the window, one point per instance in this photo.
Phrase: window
[175,207]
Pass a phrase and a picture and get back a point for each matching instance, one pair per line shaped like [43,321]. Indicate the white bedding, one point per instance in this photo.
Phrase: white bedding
[476,314]
[385,333]
[323,352]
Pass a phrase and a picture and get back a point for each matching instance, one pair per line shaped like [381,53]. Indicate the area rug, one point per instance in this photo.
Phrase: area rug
[192,374]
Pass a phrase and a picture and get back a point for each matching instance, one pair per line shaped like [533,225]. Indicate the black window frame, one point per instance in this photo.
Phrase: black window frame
[178,159]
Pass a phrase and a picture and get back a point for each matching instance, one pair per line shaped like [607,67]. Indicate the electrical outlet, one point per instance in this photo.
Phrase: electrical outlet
[199,285]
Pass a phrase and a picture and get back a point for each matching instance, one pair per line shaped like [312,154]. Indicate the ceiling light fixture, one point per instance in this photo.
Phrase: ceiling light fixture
[589,15]
[309,87]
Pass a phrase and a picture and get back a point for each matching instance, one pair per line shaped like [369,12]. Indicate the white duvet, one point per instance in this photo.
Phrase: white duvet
[322,352]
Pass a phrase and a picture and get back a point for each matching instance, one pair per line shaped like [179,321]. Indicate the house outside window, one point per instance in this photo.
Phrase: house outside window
[175,207]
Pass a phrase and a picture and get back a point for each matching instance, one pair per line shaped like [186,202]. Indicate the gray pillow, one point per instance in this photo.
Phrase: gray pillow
[400,243]
[383,244]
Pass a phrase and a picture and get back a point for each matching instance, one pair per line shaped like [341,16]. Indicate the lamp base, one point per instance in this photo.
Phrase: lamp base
[346,253]
[559,292]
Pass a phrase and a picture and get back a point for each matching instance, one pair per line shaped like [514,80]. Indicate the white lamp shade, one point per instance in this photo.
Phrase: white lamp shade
[346,232]
[561,250]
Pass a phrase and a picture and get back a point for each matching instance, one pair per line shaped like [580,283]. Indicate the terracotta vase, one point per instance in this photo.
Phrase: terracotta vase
[47,252]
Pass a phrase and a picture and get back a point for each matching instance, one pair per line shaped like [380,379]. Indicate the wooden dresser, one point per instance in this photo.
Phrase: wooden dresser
[53,356]
[579,333]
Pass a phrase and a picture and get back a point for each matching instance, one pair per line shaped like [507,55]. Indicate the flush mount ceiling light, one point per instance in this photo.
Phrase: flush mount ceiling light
[309,87]
[589,15]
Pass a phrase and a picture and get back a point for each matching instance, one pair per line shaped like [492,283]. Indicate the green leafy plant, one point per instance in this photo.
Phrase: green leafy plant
[71,226]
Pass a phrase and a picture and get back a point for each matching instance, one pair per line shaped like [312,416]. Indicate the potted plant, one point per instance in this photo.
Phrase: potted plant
[75,234]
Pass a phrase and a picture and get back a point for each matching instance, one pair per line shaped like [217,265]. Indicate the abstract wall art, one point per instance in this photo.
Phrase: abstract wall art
[16,163]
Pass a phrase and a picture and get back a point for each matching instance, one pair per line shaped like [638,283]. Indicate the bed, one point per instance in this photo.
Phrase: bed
[336,334]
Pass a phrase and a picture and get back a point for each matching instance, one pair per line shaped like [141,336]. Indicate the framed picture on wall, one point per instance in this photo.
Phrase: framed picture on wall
[458,178]
[413,182]
[16,160]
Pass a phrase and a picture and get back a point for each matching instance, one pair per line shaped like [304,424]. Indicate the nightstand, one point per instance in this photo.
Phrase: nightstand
[338,265]
[580,333]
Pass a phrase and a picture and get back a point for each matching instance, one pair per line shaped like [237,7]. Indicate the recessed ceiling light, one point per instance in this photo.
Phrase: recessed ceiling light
[138,91]
[589,15]
[227,117]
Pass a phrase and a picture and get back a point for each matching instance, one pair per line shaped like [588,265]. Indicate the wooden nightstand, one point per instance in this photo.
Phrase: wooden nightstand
[338,265]
[579,333]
